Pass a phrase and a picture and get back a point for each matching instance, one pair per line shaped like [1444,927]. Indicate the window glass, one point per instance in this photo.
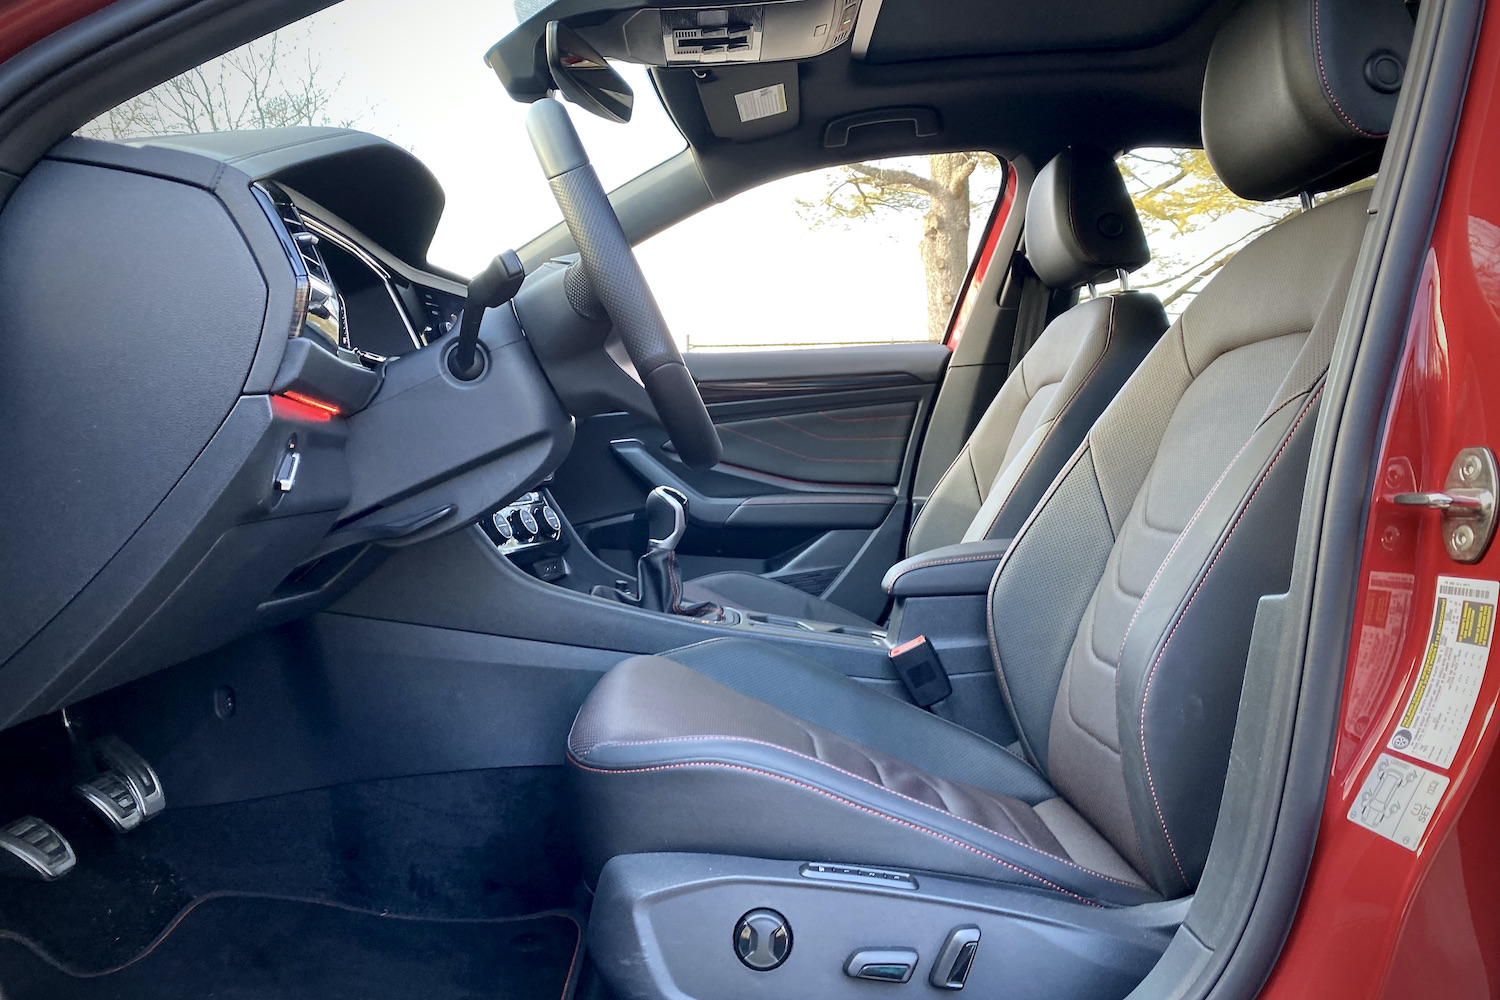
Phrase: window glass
[420,82]
[1194,224]
[870,253]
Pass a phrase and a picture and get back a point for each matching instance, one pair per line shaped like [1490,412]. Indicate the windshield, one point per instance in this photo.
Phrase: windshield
[422,83]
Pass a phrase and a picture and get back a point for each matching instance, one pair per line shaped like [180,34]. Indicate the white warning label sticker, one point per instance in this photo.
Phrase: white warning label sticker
[1398,800]
[762,103]
[1458,647]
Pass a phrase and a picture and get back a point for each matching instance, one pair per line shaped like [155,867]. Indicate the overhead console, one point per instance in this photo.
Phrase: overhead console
[777,31]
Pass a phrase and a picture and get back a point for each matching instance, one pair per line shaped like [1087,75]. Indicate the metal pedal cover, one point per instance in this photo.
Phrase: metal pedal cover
[31,848]
[115,754]
[110,793]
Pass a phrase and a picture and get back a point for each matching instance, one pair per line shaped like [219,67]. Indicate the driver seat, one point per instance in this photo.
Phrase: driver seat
[1120,618]
[1081,227]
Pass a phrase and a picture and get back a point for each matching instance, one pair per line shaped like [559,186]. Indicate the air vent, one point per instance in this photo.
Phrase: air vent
[319,308]
[304,239]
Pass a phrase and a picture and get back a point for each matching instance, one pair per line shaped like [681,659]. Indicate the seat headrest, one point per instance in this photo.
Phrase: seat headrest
[1081,225]
[1299,94]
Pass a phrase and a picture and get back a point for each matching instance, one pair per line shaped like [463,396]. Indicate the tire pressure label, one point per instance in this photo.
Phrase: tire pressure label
[1398,800]
[1458,647]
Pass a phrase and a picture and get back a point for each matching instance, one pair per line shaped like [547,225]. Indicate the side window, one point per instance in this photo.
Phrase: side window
[869,253]
[1194,224]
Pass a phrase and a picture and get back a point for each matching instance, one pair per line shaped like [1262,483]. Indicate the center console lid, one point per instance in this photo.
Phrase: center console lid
[951,570]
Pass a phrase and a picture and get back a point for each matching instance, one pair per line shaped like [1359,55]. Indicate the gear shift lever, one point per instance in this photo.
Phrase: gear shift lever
[658,580]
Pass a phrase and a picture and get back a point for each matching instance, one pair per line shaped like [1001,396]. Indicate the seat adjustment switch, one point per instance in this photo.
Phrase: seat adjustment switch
[950,971]
[881,965]
[762,940]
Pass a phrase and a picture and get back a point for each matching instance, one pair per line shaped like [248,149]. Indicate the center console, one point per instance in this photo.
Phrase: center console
[940,595]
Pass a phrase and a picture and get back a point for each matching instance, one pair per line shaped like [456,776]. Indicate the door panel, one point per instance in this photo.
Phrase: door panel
[814,487]
[859,445]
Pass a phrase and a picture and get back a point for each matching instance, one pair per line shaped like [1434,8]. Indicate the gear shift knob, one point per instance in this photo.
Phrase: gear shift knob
[666,511]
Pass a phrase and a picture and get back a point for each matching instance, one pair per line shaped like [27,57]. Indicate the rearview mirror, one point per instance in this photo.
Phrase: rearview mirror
[584,77]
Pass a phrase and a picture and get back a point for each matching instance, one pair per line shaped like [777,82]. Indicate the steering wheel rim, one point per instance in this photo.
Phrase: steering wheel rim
[620,285]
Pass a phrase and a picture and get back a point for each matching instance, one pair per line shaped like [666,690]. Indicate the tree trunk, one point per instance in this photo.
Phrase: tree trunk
[945,237]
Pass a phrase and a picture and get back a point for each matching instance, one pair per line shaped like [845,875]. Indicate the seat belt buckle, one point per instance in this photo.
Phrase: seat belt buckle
[917,664]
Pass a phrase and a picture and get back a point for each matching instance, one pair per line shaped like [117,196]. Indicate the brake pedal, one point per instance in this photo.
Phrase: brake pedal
[32,848]
[114,754]
[110,794]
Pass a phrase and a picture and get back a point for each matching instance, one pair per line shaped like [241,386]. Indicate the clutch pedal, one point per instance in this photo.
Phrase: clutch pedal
[32,848]
[111,795]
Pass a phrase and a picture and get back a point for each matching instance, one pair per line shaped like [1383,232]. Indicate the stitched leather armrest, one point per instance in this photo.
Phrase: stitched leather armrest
[965,568]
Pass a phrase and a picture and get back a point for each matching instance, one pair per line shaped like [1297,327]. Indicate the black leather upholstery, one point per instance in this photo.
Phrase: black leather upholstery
[1081,225]
[1298,94]
[965,568]
[761,781]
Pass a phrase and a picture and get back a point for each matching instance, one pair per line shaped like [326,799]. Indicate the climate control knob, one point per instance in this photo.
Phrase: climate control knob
[526,524]
[552,524]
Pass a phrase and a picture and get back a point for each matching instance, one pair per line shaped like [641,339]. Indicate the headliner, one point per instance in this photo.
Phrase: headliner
[1122,82]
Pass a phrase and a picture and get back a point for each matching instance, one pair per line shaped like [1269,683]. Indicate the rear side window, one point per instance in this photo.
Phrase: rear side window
[868,253]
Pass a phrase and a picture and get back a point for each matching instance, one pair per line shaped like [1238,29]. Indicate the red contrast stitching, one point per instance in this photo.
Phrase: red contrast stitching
[945,562]
[872,784]
[824,437]
[1109,336]
[860,420]
[1146,693]
[842,801]
[1327,90]
[810,458]
[1176,543]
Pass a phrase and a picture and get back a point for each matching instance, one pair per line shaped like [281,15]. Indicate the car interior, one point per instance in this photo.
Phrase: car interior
[371,630]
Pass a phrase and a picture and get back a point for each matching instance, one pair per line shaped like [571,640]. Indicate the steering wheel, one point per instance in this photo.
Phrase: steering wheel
[621,287]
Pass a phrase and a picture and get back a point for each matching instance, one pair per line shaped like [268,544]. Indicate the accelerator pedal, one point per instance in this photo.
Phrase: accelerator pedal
[32,848]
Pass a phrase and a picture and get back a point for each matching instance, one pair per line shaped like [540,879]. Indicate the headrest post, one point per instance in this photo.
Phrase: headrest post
[1124,277]
[1093,290]
[1307,201]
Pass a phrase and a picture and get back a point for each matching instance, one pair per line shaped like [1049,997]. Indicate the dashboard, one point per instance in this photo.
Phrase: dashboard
[247,406]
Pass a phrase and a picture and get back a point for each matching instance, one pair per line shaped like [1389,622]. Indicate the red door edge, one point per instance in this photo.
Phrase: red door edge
[1419,915]
[981,266]
[25,22]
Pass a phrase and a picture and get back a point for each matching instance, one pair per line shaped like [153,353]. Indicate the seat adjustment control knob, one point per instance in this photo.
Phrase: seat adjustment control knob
[762,940]
[950,971]
[882,965]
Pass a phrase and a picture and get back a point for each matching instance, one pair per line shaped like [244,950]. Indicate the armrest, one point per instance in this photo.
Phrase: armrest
[965,568]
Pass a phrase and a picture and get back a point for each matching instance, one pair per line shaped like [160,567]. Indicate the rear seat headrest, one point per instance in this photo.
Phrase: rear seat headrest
[1299,94]
[1081,225]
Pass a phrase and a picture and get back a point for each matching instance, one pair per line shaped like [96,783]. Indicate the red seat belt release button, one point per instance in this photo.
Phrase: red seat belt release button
[921,671]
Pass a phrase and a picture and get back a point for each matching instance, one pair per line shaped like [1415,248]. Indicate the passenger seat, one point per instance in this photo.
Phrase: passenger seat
[1081,227]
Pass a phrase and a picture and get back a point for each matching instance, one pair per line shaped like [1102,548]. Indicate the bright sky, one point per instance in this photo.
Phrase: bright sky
[754,271]
[749,272]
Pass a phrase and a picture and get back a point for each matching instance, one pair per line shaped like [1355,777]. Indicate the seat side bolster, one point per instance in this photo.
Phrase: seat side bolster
[1039,595]
[897,815]
[1113,349]
[1183,657]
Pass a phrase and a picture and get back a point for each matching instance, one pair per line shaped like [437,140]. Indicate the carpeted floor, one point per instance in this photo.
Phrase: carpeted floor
[240,946]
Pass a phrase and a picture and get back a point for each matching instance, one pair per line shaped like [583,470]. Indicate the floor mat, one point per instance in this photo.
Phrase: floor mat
[237,946]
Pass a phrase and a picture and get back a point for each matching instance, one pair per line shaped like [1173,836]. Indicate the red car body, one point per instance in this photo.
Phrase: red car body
[1375,919]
